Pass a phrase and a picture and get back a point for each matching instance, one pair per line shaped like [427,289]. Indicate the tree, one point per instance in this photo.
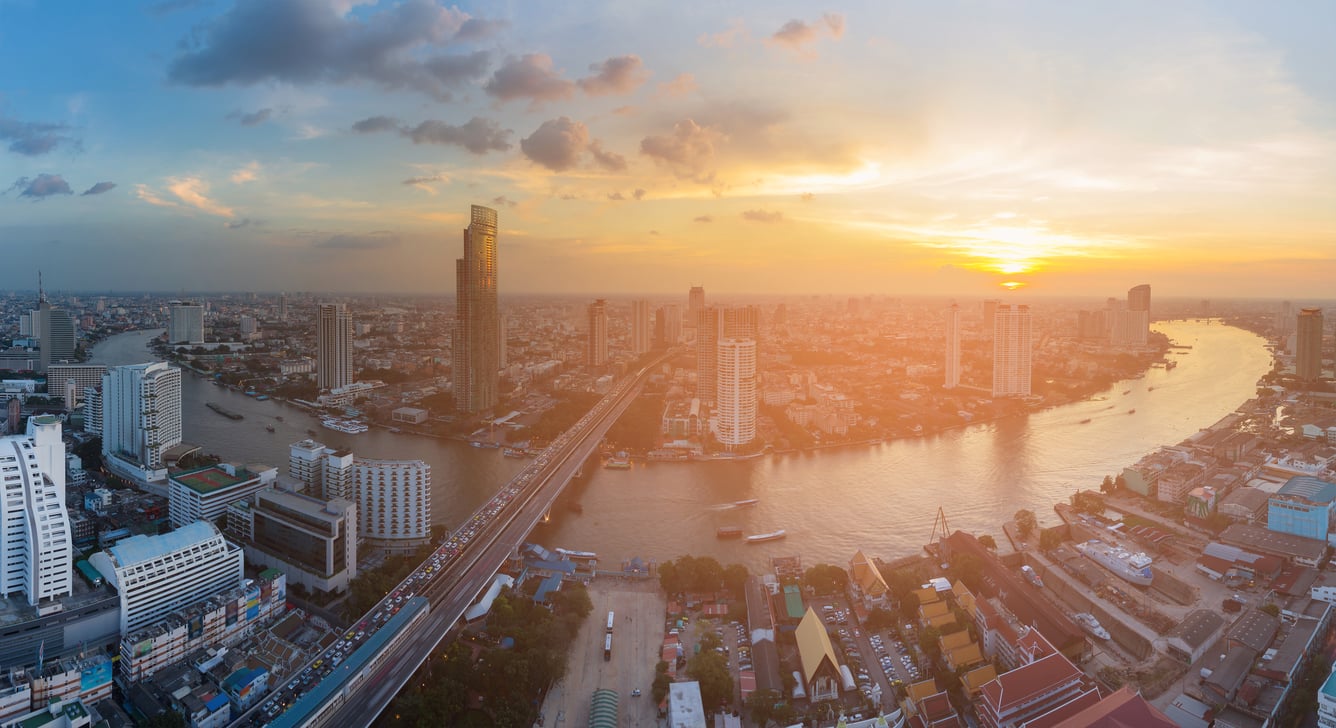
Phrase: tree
[1107,485]
[909,605]
[1025,523]
[710,669]
[879,619]
[825,579]
[735,578]
[1120,483]
[1050,539]
[761,706]
[987,541]
[1271,609]
[1088,502]
[659,688]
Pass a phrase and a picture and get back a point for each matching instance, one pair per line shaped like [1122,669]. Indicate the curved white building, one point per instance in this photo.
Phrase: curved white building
[393,501]
[735,406]
[141,419]
[35,550]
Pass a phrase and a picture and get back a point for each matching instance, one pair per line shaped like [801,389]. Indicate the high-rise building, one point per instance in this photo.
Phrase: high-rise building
[736,404]
[393,497]
[668,326]
[203,494]
[1138,315]
[283,307]
[1284,319]
[13,413]
[695,306]
[157,575]
[1138,298]
[640,327]
[596,345]
[334,346]
[56,336]
[1308,345]
[36,551]
[185,323]
[248,326]
[476,370]
[1012,348]
[709,326]
[314,541]
[502,331]
[84,376]
[952,347]
[141,419]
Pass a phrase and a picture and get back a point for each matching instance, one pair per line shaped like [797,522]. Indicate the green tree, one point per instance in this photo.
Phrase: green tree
[1107,485]
[909,606]
[1271,609]
[826,579]
[987,541]
[761,706]
[1088,502]
[879,620]
[735,578]
[1025,523]
[711,670]
[1049,539]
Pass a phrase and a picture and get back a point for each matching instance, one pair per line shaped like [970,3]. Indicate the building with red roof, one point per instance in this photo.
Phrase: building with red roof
[1046,683]
[1123,709]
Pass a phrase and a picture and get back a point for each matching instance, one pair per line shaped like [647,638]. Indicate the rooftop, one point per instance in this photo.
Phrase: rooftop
[1256,630]
[209,479]
[1025,682]
[1123,708]
[814,646]
[142,548]
[1198,627]
[1309,488]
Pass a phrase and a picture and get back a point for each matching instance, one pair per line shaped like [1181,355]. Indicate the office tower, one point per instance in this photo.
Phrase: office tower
[283,307]
[157,575]
[952,347]
[1284,319]
[57,335]
[1308,347]
[695,306]
[596,345]
[668,326]
[989,308]
[36,554]
[312,540]
[1011,351]
[248,327]
[334,346]
[1138,315]
[1138,298]
[141,417]
[736,405]
[709,325]
[476,370]
[640,327]
[13,413]
[185,324]
[25,325]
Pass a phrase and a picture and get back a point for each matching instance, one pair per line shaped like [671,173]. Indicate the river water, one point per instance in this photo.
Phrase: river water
[882,498]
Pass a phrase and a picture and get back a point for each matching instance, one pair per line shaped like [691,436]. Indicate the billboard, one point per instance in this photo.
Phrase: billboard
[196,626]
[95,676]
[231,612]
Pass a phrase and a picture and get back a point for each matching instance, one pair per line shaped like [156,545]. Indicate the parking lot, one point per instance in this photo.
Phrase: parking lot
[880,658]
[637,635]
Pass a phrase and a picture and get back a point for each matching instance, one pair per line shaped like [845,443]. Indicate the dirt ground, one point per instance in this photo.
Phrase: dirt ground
[637,635]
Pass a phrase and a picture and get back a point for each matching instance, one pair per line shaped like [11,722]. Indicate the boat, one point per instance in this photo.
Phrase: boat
[728,532]
[262,398]
[1086,421]
[617,464]
[348,427]
[511,452]
[1032,576]
[229,414]
[475,443]
[250,393]
[763,537]
[1170,364]
[746,502]
[1127,391]
[395,429]
[1130,567]
[1131,412]
[585,555]
[1091,625]
[1150,389]
[269,428]
[278,417]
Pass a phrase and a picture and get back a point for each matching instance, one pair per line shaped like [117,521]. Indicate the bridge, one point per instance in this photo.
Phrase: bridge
[451,589]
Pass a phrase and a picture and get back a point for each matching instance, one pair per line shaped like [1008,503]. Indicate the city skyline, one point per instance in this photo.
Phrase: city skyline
[661,149]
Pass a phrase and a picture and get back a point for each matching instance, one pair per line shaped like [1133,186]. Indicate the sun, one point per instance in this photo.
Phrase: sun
[1012,285]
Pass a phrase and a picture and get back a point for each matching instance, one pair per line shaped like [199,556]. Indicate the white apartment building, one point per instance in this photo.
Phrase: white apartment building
[158,575]
[393,497]
[185,323]
[1012,350]
[203,494]
[92,401]
[141,419]
[1326,702]
[36,554]
[735,406]
[952,347]
[84,376]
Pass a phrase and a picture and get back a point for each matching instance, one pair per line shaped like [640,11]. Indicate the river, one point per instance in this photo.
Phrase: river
[881,498]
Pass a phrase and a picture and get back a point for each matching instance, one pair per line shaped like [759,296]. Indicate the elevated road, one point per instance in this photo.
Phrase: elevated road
[460,582]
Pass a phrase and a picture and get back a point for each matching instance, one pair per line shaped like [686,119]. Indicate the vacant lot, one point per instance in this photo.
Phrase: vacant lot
[637,635]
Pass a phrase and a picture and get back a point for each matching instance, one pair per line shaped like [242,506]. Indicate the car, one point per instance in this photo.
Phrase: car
[635,693]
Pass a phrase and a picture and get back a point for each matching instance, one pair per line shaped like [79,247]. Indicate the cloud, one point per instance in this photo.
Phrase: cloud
[529,77]
[684,84]
[252,118]
[308,41]
[376,124]
[425,182]
[616,75]
[248,173]
[377,240]
[477,135]
[687,151]
[146,194]
[639,194]
[796,34]
[237,224]
[191,191]
[559,144]
[503,200]
[616,197]
[34,138]
[479,29]
[762,216]
[703,218]
[807,197]
[42,186]
[99,188]
[736,32]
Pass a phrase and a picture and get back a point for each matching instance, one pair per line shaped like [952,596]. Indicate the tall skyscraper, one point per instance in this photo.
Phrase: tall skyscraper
[475,357]
[1138,318]
[668,326]
[952,347]
[1308,346]
[1012,347]
[334,346]
[596,346]
[36,554]
[141,418]
[185,323]
[1284,319]
[736,404]
[640,327]
[283,307]
[709,326]
[56,335]
[695,305]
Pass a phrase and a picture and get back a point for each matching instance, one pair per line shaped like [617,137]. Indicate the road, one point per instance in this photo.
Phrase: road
[464,579]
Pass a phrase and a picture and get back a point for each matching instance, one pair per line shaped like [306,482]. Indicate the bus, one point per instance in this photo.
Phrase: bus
[609,622]
[607,647]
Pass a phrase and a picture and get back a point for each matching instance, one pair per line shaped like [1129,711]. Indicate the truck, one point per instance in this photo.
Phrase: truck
[607,647]
[610,615]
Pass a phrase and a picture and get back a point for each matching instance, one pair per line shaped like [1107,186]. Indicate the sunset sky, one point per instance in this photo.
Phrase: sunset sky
[861,147]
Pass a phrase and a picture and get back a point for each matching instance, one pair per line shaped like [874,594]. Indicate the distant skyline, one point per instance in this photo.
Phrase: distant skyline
[778,147]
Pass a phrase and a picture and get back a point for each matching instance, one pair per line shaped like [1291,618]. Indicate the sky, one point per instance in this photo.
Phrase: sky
[972,148]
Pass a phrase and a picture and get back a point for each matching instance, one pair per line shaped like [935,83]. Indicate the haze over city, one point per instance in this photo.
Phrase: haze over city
[768,148]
